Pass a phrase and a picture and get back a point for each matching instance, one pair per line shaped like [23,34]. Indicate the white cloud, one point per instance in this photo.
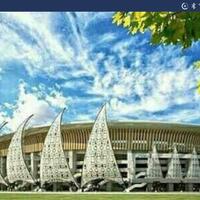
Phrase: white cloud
[168,88]
[136,79]
[27,104]
[56,99]
[3,117]
[45,53]
[43,107]
[107,37]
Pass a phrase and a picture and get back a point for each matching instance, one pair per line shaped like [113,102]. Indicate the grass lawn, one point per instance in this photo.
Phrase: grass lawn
[134,196]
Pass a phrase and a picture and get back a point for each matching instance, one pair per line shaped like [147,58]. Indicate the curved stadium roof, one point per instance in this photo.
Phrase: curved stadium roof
[125,135]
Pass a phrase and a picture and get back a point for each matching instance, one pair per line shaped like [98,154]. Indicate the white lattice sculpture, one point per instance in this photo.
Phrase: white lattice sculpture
[2,181]
[16,166]
[194,168]
[154,168]
[174,168]
[99,161]
[54,166]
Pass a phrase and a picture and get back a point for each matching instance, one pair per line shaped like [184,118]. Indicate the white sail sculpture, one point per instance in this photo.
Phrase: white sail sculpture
[174,169]
[194,168]
[54,166]
[154,169]
[16,166]
[2,181]
[99,161]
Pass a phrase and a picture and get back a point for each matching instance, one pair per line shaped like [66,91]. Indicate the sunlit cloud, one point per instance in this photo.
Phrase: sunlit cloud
[82,60]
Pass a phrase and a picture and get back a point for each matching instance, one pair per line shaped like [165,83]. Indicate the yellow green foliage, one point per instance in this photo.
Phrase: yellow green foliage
[179,28]
[198,87]
[197,64]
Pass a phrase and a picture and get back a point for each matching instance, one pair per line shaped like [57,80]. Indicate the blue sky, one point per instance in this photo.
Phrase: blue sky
[80,61]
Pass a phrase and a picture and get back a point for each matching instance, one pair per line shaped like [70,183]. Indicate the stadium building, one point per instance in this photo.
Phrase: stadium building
[101,156]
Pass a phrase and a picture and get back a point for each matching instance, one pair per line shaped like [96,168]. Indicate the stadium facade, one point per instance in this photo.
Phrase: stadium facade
[104,156]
